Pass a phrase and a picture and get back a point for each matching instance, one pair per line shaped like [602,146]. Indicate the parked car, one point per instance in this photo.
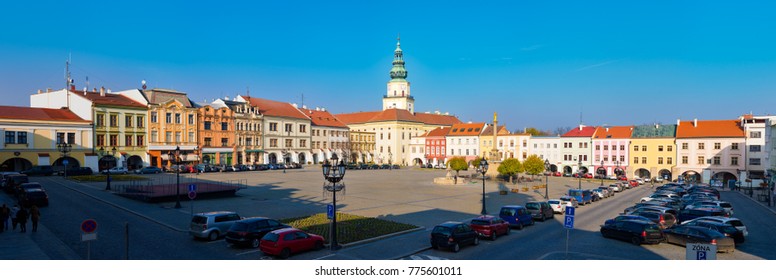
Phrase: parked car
[599,194]
[556,174]
[489,226]
[4,175]
[633,230]
[612,177]
[557,206]
[212,225]
[658,179]
[627,217]
[664,220]
[727,230]
[567,175]
[606,191]
[659,195]
[248,232]
[39,170]
[32,195]
[725,220]
[516,215]
[116,170]
[540,210]
[77,171]
[689,214]
[587,176]
[622,178]
[287,241]
[615,187]
[13,181]
[569,201]
[453,235]
[396,166]
[148,170]
[582,196]
[684,234]
[634,183]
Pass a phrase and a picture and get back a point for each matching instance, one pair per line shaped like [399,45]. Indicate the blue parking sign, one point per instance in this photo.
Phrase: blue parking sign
[701,255]
[192,188]
[570,211]
[330,211]
[569,222]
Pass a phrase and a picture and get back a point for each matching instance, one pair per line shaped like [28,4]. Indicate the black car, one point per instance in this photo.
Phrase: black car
[684,234]
[635,231]
[452,235]
[395,166]
[727,230]
[39,170]
[77,171]
[32,196]
[12,182]
[248,232]
[689,214]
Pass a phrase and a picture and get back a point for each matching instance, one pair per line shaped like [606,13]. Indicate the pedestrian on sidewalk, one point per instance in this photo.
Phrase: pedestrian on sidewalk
[21,218]
[34,217]
[14,212]
[5,214]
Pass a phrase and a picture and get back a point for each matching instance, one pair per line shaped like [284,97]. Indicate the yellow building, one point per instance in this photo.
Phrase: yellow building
[362,146]
[172,123]
[31,135]
[652,151]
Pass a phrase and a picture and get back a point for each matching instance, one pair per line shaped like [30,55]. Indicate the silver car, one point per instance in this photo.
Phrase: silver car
[212,225]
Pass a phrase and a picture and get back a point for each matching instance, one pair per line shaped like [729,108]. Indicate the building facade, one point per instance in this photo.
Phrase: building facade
[216,135]
[248,131]
[287,131]
[757,146]
[362,146]
[652,152]
[710,149]
[610,150]
[547,148]
[577,149]
[329,137]
[436,146]
[172,124]
[463,140]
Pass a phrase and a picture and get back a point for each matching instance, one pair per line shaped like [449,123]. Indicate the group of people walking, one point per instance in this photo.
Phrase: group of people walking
[11,217]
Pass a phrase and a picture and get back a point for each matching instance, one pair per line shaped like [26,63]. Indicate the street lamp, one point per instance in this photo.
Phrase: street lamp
[483,170]
[112,153]
[334,174]
[64,148]
[617,167]
[579,173]
[546,178]
[390,161]
[603,170]
[177,154]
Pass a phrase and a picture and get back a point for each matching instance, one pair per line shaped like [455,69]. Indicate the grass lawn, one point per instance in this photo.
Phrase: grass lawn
[102,178]
[350,228]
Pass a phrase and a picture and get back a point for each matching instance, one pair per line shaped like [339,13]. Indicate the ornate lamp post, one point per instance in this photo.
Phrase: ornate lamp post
[603,170]
[390,161]
[103,153]
[176,154]
[547,179]
[64,148]
[334,174]
[483,170]
[579,172]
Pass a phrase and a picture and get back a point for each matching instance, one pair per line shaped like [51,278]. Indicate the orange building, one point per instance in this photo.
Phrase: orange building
[217,134]
[172,123]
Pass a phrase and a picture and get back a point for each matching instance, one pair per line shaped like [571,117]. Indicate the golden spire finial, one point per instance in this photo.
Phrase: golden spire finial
[495,117]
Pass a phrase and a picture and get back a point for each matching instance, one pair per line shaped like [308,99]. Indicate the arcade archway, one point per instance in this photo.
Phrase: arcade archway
[642,173]
[16,164]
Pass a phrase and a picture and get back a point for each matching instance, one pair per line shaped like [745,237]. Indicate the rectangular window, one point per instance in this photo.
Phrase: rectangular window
[622,159]
[670,160]
[636,160]
[22,137]
[585,156]
[755,134]
[248,141]
[670,148]
[114,120]
[716,160]
[177,117]
[191,118]
[643,160]
[128,140]
[701,160]
[154,137]
[734,161]
[114,140]
[289,143]
[685,146]
[224,142]
[606,147]
[622,147]
[224,126]
[701,146]
[100,140]
[685,160]
[60,137]
[168,137]
[140,141]
[635,148]
[209,141]
[660,148]
[660,160]
[178,137]
[754,161]
[644,148]
[754,148]
[289,127]
[302,143]
[273,126]
[154,117]
[71,137]
[734,146]
[717,146]
[100,120]
[208,125]
[191,137]
[10,137]
[597,147]
[128,121]
[168,118]
[303,128]
[606,158]
[324,144]
[525,144]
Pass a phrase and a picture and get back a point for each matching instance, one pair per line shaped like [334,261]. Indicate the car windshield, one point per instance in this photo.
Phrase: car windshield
[726,205]
[480,222]
[554,202]
[533,206]
[273,237]
[239,227]
[507,212]
[652,228]
[729,229]
[441,230]
[199,219]
[736,223]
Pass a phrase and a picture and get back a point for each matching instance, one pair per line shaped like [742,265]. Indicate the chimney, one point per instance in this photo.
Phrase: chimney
[94,89]
[323,109]
[580,127]
[695,123]
[607,129]
[304,107]
[40,91]
[657,126]
[48,89]
[226,98]
[317,108]
[294,104]
[102,91]
[678,121]
[436,112]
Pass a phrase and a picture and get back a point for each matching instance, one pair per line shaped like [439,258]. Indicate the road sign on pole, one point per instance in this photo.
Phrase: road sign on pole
[192,187]
[696,251]
[330,211]
[192,195]
[89,226]
[570,211]
[569,222]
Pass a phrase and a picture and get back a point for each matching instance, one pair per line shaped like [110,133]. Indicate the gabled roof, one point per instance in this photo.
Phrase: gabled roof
[614,132]
[395,114]
[159,96]
[580,131]
[466,129]
[439,132]
[323,118]
[437,119]
[709,129]
[110,99]
[654,131]
[275,108]
[488,131]
[39,114]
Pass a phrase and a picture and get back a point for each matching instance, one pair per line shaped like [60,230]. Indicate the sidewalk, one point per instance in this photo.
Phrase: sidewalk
[754,198]
[40,245]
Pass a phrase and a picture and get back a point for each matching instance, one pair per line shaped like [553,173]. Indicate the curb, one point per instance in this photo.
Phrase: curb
[756,202]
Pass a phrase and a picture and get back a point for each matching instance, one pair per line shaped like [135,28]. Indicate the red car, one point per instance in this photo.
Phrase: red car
[633,183]
[588,176]
[557,174]
[489,226]
[284,242]
[622,178]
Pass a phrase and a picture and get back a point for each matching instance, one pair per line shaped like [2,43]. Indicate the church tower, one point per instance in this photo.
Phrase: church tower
[398,92]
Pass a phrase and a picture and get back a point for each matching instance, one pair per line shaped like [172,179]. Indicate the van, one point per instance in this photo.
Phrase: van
[516,215]
[212,225]
[540,210]
[582,196]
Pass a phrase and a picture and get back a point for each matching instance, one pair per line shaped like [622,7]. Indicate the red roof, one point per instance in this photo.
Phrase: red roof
[707,129]
[586,131]
[110,99]
[360,117]
[39,114]
[397,115]
[441,131]
[502,130]
[275,108]
[616,132]
[437,119]
[466,129]
[394,115]
[323,118]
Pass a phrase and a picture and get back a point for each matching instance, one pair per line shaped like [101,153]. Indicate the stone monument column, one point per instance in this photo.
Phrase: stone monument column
[494,161]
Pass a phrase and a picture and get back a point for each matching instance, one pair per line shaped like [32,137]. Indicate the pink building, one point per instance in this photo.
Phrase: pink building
[610,150]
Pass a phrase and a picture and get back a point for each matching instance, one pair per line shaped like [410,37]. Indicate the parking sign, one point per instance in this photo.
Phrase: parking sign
[570,211]
[569,222]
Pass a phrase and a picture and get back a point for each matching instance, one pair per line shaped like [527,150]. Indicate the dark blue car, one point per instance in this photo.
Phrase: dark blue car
[516,215]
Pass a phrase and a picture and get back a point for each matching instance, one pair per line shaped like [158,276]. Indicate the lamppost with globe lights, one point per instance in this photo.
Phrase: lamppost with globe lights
[483,169]
[602,172]
[176,154]
[546,178]
[111,153]
[64,148]
[334,174]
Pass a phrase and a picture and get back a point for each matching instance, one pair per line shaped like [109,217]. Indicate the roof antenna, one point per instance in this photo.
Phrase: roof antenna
[248,91]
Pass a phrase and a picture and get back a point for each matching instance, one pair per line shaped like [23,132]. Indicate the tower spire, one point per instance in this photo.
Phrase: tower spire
[398,73]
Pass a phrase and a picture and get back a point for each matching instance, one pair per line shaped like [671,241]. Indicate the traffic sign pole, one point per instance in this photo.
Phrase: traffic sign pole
[568,224]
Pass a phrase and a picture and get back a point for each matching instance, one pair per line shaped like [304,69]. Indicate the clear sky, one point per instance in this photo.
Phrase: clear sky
[538,63]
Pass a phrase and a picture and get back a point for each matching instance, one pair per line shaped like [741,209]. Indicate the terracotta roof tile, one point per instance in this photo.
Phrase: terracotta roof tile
[275,108]
[447,120]
[394,115]
[616,132]
[708,129]
[440,131]
[586,131]
[39,114]
[466,129]
[110,99]
[353,118]
[323,118]
[159,96]
[502,130]
[397,115]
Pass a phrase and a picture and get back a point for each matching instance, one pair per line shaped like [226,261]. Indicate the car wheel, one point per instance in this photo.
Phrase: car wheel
[255,243]
[212,236]
[636,241]
[318,245]
[493,235]
[285,253]
[476,241]
[543,218]
[456,247]
[532,222]
[508,231]
[519,225]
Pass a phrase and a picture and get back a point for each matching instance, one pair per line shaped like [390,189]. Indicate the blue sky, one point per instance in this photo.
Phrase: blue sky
[538,63]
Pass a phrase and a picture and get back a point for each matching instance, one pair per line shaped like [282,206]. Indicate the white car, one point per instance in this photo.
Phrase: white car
[659,195]
[615,187]
[557,206]
[725,220]
[116,170]
[647,180]
[641,181]
[658,179]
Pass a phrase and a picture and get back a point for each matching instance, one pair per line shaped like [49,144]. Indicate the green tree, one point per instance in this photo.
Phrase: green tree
[457,164]
[533,165]
[535,132]
[510,167]
[476,162]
